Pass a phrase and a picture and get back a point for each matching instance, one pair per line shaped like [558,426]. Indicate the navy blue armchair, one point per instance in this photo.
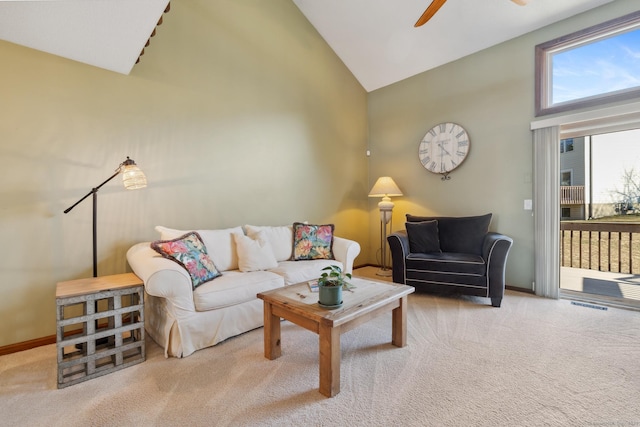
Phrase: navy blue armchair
[451,255]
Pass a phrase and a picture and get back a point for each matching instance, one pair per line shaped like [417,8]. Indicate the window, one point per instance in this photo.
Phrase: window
[566,178]
[566,212]
[566,145]
[590,67]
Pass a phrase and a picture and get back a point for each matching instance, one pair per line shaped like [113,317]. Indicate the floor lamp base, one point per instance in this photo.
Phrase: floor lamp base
[384,272]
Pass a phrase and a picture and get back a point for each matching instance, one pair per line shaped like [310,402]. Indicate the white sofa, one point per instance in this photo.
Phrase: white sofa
[184,320]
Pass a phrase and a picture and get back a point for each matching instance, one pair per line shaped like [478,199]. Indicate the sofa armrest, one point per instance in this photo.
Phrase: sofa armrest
[495,250]
[399,245]
[345,251]
[162,277]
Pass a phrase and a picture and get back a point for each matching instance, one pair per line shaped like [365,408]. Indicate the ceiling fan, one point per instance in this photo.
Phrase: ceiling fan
[437,4]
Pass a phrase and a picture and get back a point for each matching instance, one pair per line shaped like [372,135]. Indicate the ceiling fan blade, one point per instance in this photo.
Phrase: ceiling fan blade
[431,10]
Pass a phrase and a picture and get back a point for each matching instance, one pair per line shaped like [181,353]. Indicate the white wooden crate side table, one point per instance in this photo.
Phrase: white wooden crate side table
[99,326]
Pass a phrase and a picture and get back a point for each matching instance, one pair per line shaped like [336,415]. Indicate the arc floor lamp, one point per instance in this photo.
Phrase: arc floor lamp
[132,178]
[386,188]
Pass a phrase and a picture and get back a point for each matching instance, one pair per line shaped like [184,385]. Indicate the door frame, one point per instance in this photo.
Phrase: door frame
[547,134]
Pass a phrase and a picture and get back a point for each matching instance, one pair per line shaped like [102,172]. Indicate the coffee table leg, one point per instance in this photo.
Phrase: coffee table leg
[329,360]
[399,324]
[272,349]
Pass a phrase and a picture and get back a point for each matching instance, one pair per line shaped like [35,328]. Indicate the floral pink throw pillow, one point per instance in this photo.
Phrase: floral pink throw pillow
[190,252]
[312,241]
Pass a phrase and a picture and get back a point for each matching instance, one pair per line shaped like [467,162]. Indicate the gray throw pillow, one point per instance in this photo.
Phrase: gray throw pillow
[423,237]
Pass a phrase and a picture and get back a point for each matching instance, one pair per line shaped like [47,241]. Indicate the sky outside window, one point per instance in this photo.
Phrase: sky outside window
[597,68]
[613,154]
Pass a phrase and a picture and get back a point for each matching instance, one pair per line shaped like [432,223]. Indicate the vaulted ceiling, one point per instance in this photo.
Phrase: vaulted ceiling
[376,39]
[109,34]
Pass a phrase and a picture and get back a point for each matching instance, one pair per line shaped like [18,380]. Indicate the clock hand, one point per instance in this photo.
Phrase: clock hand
[443,149]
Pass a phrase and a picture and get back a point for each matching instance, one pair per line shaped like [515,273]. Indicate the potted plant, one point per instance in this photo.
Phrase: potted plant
[330,286]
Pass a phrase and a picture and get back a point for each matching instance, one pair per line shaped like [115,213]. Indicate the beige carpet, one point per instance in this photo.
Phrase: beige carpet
[533,362]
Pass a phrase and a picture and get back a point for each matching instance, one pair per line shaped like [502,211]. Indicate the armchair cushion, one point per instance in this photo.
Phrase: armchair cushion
[459,264]
[423,237]
[459,234]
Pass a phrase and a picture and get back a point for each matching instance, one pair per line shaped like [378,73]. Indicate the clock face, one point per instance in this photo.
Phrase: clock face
[444,148]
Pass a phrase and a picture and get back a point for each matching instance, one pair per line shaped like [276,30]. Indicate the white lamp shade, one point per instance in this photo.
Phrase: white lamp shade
[133,178]
[385,187]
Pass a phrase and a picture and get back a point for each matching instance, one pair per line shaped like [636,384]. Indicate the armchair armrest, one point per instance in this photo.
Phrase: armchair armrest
[399,245]
[345,251]
[495,250]
[162,277]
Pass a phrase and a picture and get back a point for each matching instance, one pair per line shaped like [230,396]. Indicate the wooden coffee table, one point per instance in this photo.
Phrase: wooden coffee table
[299,305]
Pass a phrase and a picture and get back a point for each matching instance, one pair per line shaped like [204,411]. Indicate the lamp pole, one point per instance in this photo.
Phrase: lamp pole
[386,210]
[94,193]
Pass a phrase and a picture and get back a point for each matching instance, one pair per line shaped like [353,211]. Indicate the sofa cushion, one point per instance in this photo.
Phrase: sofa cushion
[297,271]
[254,255]
[220,245]
[234,287]
[280,238]
[312,241]
[189,251]
[459,234]
[423,237]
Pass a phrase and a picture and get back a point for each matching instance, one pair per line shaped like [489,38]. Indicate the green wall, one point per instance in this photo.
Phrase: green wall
[490,94]
[238,113]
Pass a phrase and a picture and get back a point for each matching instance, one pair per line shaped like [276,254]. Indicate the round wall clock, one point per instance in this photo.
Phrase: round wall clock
[444,148]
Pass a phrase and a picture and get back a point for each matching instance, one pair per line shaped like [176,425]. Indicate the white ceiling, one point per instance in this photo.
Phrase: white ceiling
[375,39]
[105,33]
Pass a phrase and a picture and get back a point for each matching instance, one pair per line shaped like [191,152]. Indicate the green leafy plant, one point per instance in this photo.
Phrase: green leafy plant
[334,276]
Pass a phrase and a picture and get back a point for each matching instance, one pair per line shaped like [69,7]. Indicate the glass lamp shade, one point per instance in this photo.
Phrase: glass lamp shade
[132,177]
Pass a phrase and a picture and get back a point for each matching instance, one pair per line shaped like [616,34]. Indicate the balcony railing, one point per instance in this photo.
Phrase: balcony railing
[572,194]
[603,246]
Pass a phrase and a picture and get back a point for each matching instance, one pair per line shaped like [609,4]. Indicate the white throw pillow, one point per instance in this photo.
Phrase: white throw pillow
[254,254]
[280,238]
[219,244]
[167,233]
